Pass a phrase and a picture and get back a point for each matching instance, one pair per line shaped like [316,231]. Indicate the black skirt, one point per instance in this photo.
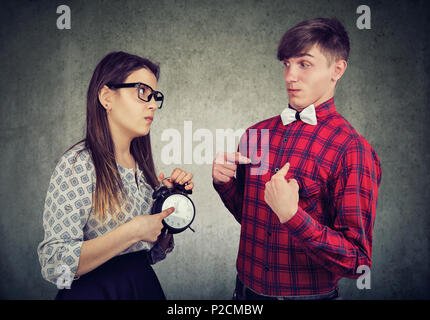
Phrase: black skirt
[128,276]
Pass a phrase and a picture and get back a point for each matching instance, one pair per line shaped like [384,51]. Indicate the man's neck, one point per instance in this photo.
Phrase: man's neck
[316,103]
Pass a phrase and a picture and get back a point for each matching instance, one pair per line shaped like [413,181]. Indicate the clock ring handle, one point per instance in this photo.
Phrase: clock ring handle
[180,187]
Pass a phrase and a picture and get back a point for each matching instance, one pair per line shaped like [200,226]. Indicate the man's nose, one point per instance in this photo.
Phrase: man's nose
[290,74]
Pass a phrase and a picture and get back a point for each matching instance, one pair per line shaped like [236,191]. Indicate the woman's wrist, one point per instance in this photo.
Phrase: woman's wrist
[131,231]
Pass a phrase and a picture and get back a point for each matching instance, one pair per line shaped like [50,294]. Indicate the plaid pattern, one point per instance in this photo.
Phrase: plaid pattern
[338,173]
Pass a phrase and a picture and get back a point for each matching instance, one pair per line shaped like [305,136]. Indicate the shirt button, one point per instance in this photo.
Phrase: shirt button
[276,169]
[266,268]
[285,139]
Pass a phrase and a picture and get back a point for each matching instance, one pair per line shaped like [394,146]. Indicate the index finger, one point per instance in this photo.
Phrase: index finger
[165,213]
[284,170]
[236,157]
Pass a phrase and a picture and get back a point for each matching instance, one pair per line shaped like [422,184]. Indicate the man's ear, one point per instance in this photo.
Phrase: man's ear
[339,69]
[105,97]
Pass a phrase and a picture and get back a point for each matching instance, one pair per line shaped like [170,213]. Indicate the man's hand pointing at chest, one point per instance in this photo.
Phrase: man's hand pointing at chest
[282,195]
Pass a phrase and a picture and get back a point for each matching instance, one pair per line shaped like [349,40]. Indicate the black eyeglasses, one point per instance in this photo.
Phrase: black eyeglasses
[144,92]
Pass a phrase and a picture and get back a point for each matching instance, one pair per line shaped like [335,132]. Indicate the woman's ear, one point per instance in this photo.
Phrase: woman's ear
[105,97]
[339,69]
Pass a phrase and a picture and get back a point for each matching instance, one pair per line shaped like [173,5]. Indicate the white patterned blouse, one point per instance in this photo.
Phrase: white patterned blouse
[68,217]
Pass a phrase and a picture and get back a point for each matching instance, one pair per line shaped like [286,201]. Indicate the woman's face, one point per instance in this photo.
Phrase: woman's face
[129,114]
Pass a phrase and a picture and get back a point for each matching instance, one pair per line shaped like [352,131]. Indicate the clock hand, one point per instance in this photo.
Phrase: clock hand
[175,204]
[181,206]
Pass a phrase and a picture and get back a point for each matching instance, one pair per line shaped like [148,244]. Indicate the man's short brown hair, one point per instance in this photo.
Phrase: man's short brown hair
[329,34]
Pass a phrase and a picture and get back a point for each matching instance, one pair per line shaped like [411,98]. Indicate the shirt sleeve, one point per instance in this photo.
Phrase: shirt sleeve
[231,193]
[348,243]
[67,207]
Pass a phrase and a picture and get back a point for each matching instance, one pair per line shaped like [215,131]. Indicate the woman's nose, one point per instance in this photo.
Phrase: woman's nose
[152,104]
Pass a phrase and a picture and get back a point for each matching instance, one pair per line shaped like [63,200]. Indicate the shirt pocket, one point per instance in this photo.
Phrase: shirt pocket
[309,194]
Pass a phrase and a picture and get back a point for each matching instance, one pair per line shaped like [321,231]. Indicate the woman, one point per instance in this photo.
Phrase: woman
[99,237]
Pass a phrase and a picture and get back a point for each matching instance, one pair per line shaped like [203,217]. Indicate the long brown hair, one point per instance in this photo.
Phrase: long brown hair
[109,192]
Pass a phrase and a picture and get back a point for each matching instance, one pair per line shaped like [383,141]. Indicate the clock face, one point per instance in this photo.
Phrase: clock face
[184,211]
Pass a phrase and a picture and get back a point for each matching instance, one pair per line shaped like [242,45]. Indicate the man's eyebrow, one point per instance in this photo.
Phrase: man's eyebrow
[299,55]
[304,54]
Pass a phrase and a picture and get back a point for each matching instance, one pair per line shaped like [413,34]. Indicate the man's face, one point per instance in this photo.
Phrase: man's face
[309,78]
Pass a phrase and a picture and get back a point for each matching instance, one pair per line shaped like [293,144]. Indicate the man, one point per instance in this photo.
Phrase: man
[307,219]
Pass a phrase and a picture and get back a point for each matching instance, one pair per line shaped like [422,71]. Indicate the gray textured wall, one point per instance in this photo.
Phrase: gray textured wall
[218,69]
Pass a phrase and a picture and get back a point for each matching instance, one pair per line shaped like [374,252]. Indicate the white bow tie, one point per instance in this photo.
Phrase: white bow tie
[307,115]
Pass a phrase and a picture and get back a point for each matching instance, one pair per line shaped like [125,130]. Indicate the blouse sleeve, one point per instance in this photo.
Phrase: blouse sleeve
[158,251]
[67,207]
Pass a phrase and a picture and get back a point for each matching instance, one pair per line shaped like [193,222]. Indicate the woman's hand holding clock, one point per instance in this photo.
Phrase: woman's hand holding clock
[148,227]
[174,192]
[178,176]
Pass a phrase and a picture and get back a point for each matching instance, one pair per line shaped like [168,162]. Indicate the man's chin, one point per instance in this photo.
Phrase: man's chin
[294,103]
[298,104]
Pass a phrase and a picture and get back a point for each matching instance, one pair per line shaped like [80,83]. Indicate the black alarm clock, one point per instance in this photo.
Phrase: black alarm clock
[176,197]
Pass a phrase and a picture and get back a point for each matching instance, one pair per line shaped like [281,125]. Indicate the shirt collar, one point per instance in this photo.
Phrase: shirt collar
[124,169]
[324,109]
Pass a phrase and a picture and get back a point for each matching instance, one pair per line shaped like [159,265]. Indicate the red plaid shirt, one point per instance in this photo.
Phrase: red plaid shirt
[338,173]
